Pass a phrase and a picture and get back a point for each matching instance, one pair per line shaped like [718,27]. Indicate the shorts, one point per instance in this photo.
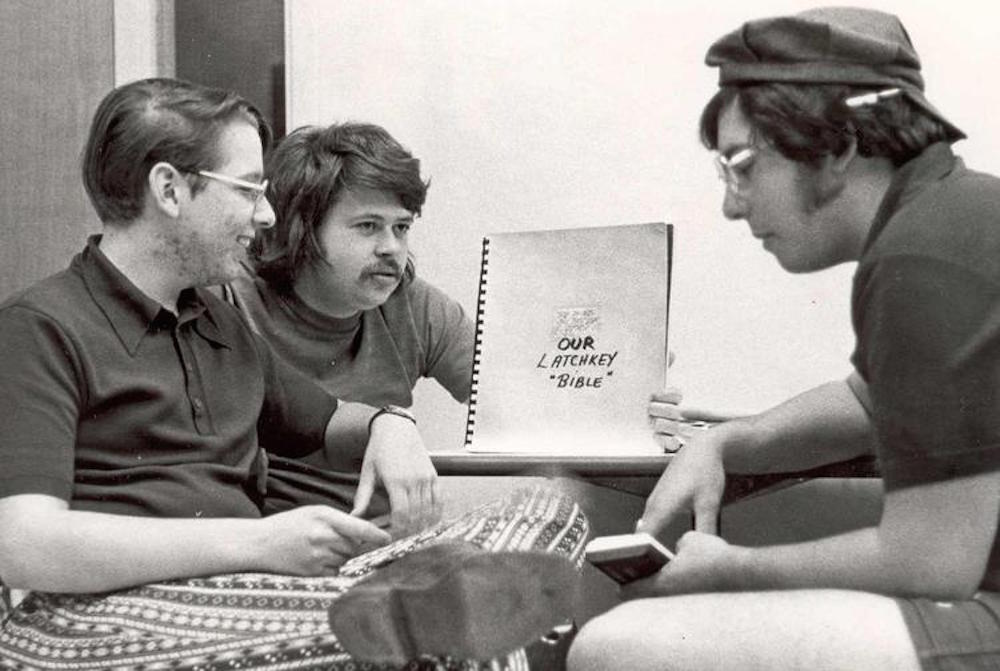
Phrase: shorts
[955,635]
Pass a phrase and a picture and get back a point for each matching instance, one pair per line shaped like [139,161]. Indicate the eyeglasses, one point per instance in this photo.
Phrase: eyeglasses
[733,169]
[252,189]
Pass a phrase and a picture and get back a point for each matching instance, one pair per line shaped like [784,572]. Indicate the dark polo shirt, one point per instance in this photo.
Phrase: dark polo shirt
[116,405]
[926,310]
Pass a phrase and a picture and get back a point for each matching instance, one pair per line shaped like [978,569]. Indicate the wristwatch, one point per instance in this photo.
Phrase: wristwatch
[391,410]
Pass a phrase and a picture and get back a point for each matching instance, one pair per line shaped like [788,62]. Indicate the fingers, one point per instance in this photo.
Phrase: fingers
[428,511]
[400,512]
[415,505]
[693,414]
[324,538]
[669,395]
[667,443]
[365,491]
[353,530]
[658,511]
[438,499]
[664,419]
[669,427]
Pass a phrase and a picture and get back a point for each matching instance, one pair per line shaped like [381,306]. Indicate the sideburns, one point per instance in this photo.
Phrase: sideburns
[819,187]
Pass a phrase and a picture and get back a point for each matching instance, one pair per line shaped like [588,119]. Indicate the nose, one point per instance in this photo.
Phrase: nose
[388,243]
[734,206]
[263,214]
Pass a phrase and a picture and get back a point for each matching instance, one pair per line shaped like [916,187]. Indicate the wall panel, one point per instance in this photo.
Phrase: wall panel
[561,113]
[238,45]
[57,61]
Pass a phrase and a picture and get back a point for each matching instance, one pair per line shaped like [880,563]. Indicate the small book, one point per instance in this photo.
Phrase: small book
[571,340]
[627,557]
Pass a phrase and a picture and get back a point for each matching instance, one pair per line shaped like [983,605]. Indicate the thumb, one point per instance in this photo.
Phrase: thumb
[655,516]
[357,530]
[363,495]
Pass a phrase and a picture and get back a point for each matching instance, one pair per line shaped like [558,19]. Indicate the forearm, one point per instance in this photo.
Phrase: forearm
[823,425]
[77,551]
[933,540]
[858,560]
[855,560]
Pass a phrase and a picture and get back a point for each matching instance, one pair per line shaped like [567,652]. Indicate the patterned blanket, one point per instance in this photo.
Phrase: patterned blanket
[263,621]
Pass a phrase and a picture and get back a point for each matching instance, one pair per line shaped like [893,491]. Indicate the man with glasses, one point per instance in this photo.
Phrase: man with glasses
[129,391]
[831,153]
[134,407]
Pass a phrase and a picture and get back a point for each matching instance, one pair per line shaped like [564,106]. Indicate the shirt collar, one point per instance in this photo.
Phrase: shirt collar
[933,164]
[131,313]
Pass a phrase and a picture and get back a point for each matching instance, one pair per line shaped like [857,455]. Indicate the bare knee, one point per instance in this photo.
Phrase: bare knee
[604,642]
[589,651]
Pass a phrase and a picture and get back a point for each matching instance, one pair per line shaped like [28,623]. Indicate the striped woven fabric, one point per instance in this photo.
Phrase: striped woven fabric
[263,621]
[5,603]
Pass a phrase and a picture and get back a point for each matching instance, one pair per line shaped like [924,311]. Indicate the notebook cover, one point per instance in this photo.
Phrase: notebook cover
[571,340]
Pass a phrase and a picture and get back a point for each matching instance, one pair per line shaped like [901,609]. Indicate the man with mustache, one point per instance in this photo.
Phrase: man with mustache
[135,404]
[334,291]
[136,407]
[831,153]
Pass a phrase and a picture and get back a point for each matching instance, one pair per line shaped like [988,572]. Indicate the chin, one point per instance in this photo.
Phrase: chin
[376,298]
[373,302]
[226,273]
[800,266]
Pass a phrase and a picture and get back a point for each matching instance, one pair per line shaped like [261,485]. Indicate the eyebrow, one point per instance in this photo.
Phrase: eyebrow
[374,215]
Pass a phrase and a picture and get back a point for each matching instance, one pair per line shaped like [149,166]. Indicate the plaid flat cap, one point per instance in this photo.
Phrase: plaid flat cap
[827,45]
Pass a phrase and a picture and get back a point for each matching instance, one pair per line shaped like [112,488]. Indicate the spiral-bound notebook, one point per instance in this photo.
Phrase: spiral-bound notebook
[571,340]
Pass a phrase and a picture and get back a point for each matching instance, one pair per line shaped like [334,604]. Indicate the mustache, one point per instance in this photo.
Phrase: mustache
[387,266]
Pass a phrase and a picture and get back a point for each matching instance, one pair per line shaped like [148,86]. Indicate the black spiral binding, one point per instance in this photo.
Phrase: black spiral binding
[470,424]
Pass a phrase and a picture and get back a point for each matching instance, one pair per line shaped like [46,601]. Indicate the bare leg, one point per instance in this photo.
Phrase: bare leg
[811,630]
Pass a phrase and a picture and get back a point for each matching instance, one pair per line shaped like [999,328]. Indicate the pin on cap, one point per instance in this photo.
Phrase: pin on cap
[871,98]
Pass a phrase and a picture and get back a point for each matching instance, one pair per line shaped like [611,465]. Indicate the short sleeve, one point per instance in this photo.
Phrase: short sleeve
[296,409]
[449,338]
[931,356]
[40,403]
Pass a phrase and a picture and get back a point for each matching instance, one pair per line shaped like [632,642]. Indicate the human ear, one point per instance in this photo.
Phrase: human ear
[842,162]
[831,175]
[165,183]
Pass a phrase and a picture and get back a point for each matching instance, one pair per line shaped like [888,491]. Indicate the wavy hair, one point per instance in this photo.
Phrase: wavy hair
[806,122]
[308,171]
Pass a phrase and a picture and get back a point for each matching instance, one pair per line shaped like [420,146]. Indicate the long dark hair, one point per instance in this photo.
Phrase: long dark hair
[308,171]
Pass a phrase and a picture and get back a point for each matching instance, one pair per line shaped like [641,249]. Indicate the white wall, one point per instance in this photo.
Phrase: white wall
[143,39]
[558,113]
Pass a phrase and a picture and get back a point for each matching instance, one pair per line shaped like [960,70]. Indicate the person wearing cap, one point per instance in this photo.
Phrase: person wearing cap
[831,153]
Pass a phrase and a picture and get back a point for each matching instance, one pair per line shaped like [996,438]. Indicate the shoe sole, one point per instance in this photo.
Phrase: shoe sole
[457,601]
